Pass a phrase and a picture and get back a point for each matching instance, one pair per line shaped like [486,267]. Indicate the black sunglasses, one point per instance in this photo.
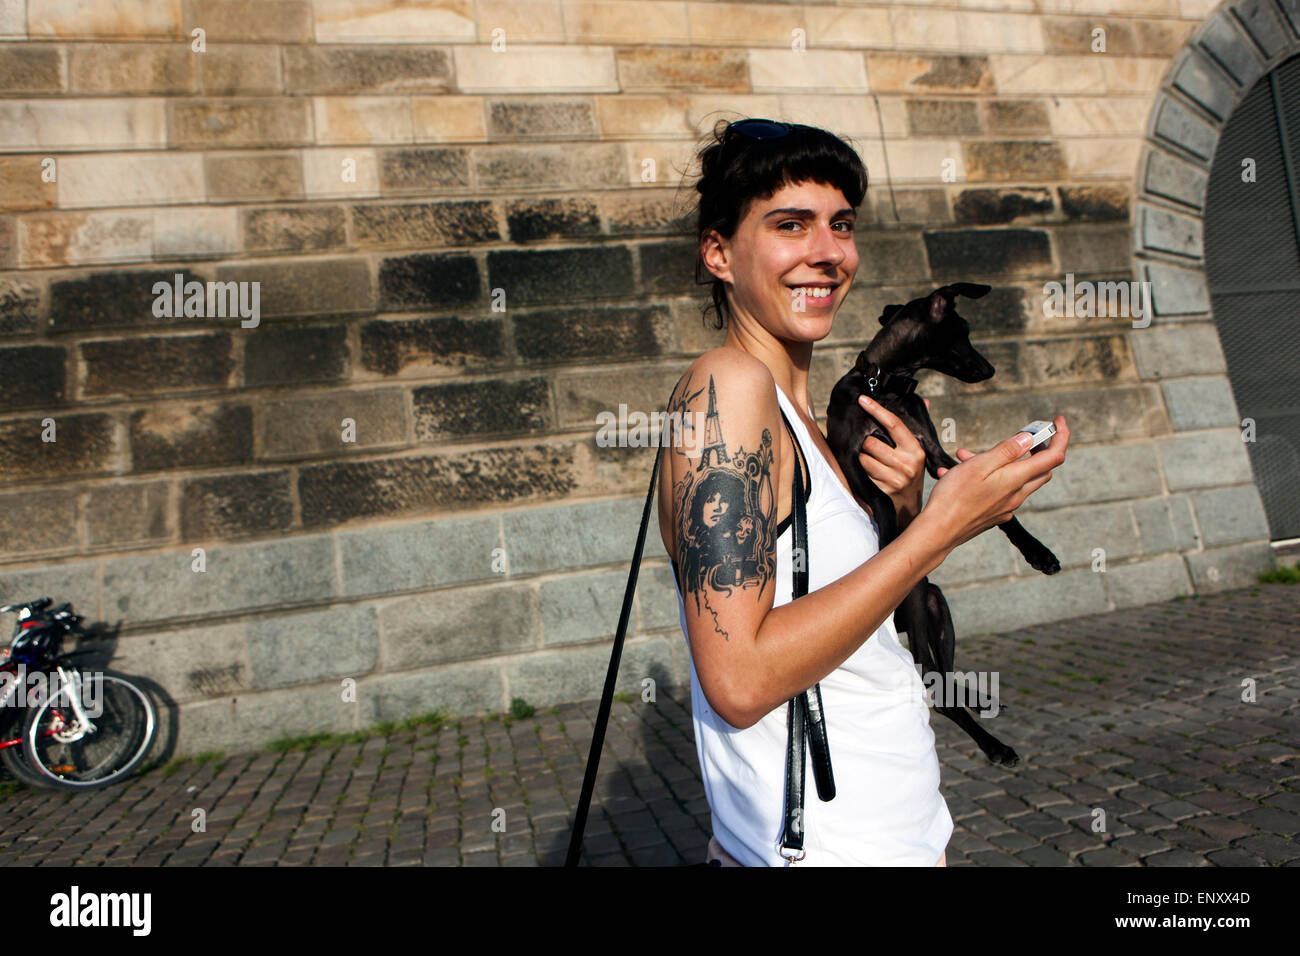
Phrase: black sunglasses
[759,128]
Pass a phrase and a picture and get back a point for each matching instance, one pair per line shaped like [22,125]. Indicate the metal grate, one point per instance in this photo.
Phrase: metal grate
[1252,257]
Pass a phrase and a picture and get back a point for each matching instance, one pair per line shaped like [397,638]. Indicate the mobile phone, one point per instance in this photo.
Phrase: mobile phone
[1041,431]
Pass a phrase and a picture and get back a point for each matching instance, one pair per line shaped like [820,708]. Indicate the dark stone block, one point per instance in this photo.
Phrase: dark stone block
[1014,159]
[292,356]
[229,506]
[83,445]
[669,267]
[561,275]
[446,341]
[179,436]
[971,254]
[999,313]
[139,366]
[388,68]
[294,229]
[310,287]
[35,522]
[985,207]
[943,117]
[32,375]
[128,514]
[487,408]
[421,169]
[545,218]
[331,494]
[541,118]
[427,281]
[34,69]
[419,224]
[1094,202]
[108,300]
[566,334]
[1018,116]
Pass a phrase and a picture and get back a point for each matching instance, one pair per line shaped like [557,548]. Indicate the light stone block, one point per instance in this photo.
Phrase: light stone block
[533,68]
[393,21]
[828,71]
[69,124]
[131,180]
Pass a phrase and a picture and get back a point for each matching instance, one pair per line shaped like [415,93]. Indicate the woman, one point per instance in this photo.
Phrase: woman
[776,214]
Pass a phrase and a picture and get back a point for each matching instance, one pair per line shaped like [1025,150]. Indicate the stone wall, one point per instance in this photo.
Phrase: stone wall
[470,231]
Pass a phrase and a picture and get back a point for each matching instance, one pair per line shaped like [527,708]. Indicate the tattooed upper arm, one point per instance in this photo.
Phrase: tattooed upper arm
[724,468]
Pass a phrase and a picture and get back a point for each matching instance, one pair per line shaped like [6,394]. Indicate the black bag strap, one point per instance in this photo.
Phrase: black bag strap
[805,710]
[805,719]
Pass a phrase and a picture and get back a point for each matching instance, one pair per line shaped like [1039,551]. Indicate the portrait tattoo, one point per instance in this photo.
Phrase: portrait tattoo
[726,515]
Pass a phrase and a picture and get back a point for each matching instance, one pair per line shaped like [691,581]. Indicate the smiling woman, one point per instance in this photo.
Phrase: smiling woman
[777,211]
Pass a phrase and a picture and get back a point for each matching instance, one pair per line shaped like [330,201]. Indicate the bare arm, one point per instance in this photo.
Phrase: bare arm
[749,656]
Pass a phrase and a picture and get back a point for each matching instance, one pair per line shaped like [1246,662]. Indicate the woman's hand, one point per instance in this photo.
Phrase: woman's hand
[984,490]
[899,471]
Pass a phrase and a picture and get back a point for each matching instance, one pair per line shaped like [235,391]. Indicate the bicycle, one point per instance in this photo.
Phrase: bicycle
[61,743]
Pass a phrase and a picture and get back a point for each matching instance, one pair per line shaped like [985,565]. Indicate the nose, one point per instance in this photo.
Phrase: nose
[826,247]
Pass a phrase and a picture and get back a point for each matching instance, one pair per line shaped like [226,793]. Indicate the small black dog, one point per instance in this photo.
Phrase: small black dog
[925,333]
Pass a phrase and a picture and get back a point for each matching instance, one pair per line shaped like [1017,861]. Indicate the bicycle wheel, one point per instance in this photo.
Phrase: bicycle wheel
[76,757]
[15,758]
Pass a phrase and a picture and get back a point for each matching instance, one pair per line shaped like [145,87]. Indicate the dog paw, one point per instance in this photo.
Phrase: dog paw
[1047,565]
[1006,757]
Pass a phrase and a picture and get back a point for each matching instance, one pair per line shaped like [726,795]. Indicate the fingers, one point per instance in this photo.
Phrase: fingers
[893,424]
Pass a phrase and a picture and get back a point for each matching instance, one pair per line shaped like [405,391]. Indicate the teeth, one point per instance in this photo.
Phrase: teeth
[811,292]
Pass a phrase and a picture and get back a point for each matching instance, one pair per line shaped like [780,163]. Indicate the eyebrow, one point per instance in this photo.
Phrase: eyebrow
[808,213]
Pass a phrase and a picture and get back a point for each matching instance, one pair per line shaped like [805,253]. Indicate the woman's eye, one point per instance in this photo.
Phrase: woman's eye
[796,222]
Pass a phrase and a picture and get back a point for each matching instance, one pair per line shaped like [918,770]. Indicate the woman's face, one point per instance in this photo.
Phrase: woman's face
[714,509]
[801,237]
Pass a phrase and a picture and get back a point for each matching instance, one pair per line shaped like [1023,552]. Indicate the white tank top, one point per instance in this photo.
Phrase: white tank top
[887,809]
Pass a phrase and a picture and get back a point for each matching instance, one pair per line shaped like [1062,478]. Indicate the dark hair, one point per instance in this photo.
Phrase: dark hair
[735,170]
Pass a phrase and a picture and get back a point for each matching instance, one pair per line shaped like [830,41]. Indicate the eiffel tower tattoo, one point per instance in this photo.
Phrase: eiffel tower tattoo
[713,432]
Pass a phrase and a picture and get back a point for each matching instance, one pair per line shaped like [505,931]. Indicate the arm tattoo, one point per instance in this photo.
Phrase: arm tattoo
[726,513]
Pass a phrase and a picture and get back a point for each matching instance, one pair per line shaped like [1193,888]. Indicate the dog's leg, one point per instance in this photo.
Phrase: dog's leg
[942,649]
[1038,555]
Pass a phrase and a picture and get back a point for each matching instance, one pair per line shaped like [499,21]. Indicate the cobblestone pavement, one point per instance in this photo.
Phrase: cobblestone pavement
[1137,712]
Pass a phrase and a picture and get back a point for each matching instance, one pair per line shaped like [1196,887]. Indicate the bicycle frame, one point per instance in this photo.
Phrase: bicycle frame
[68,680]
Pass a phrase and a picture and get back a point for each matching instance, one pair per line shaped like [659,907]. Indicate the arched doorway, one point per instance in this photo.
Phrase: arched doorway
[1252,266]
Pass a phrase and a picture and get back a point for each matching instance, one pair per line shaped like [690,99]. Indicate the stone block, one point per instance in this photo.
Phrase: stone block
[311,425]
[177,436]
[440,343]
[392,558]
[578,609]
[322,646]
[128,514]
[1146,582]
[224,507]
[1229,515]
[1204,459]
[1196,403]
[151,365]
[241,577]
[458,625]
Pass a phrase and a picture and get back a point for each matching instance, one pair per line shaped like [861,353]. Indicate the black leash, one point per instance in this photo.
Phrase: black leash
[805,721]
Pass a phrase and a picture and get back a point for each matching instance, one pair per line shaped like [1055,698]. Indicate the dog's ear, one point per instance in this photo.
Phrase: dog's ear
[972,290]
[889,312]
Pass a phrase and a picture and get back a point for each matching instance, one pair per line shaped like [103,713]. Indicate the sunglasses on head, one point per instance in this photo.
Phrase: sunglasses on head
[759,128]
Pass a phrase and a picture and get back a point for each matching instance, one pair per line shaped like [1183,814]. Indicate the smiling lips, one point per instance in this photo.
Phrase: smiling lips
[813,293]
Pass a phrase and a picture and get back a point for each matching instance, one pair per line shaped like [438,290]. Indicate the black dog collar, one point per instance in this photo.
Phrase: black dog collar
[897,382]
